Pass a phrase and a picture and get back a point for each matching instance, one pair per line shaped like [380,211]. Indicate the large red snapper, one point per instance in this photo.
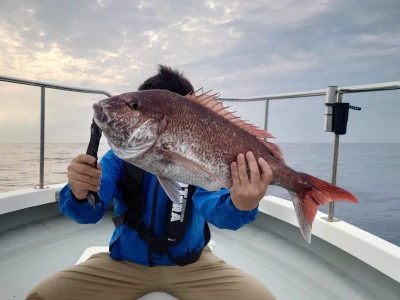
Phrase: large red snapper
[194,140]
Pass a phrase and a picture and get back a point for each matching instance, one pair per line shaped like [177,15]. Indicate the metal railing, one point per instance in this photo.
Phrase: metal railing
[43,86]
[332,93]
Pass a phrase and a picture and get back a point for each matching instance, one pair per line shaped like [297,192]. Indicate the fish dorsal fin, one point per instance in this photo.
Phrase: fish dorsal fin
[210,101]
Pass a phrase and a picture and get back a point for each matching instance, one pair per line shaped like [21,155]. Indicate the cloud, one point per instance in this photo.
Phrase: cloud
[92,45]
[277,66]
[238,48]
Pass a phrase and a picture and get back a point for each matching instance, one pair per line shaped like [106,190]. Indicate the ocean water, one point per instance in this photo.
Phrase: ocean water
[370,171]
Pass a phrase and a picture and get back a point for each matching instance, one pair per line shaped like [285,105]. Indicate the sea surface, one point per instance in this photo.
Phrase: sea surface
[370,171]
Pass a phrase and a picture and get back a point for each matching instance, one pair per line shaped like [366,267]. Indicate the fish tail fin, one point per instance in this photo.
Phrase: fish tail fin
[306,202]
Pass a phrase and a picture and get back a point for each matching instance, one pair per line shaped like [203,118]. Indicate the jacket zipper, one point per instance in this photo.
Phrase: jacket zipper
[153,218]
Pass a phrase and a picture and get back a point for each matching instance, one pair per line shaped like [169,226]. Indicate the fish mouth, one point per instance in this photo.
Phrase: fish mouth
[100,116]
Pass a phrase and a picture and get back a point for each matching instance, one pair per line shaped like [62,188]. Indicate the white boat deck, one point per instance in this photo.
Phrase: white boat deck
[268,248]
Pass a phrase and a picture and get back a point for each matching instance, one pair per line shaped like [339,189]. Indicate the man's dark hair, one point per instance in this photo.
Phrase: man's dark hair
[168,79]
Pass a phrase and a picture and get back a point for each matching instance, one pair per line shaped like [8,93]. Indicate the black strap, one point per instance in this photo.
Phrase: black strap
[179,216]
[131,185]
[160,245]
[192,257]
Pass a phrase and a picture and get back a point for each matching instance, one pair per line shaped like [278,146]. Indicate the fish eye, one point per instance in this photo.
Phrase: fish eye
[135,106]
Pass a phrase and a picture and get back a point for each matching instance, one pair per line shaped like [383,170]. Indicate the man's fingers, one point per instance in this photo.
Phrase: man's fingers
[83,186]
[266,176]
[242,168]
[84,159]
[84,178]
[85,169]
[253,166]
[235,173]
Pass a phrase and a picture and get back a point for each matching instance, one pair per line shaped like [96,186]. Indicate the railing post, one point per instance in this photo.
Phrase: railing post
[332,95]
[334,165]
[330,98]
[42,115]
[266,114]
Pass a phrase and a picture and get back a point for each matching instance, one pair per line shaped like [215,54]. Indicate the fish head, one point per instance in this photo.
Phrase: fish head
[130,122]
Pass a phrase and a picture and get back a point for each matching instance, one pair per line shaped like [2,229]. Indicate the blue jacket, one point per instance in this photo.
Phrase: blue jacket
[215,207]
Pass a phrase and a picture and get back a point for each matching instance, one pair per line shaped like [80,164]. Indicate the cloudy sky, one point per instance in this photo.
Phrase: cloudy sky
[238,48]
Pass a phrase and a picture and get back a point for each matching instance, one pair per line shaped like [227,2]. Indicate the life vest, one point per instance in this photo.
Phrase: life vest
[177,222]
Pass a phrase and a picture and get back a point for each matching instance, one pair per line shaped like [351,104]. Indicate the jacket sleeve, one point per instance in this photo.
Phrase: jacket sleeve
[218,209]
[81,211]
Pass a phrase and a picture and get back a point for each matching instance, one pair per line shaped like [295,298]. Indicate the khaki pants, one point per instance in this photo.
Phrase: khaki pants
[101,277]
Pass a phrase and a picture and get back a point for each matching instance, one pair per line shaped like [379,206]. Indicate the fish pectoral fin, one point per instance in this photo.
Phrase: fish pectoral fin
[190,165]
[171,188]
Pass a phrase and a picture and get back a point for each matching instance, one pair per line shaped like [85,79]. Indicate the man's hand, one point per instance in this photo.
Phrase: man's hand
[247,192]
[82,177]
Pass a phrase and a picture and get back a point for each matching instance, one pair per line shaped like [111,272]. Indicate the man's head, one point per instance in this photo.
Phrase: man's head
[168,79]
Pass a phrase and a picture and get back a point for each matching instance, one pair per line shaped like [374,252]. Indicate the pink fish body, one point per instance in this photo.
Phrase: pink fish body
[194,140]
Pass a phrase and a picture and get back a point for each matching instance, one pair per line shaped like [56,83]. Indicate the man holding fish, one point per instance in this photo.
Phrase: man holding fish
[161,234]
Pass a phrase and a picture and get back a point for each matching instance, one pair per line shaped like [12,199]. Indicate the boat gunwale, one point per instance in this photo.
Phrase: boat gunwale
[372,250]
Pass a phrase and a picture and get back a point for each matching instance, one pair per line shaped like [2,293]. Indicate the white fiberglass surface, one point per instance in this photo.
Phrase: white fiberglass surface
[280,258]
[32,252]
